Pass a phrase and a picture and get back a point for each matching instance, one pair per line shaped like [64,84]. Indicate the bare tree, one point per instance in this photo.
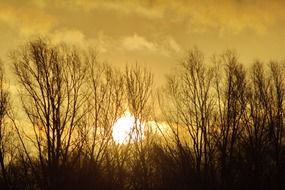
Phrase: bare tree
[255,139]
[51,79]
[138,85]
[231,98]
[5,133]
[276,114]
[190,93]
[105,105]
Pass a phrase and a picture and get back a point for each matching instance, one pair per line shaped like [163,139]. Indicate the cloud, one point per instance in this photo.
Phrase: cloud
[165,46]
[232,16]
[137,42]
[172,45]
[73,37]
[104,43]
[123,6]
[225,16]
[28,20]
[101,42]
[235,16]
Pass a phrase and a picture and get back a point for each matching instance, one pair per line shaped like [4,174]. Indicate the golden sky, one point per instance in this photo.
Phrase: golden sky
[154,33]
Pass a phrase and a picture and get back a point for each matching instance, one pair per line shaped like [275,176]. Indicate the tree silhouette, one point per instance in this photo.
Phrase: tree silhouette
[190,92]
[218,125]
[138,85]
[231,106]
[52,79]
[5,133]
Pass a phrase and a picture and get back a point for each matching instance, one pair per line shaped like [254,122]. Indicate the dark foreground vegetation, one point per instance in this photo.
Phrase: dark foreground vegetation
[215,124]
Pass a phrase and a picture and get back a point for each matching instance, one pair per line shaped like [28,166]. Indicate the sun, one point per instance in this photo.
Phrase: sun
[127,129]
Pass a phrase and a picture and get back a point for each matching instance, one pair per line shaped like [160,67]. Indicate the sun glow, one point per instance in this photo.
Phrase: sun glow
[127,129]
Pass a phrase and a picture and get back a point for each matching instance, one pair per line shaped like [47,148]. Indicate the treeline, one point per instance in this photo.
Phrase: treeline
[214,125]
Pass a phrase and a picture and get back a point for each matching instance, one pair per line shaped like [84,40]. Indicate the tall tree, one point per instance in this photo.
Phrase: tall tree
[192,103]
[276,125]
[52,82]
[5,133]
[138,85]
[231,98]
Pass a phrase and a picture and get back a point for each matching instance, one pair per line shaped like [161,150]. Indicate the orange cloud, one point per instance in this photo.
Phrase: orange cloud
[28,20]
[225,15]
[137,42]
[164,46]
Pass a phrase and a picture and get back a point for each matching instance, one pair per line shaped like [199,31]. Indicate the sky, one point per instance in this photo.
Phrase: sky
[152,33]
